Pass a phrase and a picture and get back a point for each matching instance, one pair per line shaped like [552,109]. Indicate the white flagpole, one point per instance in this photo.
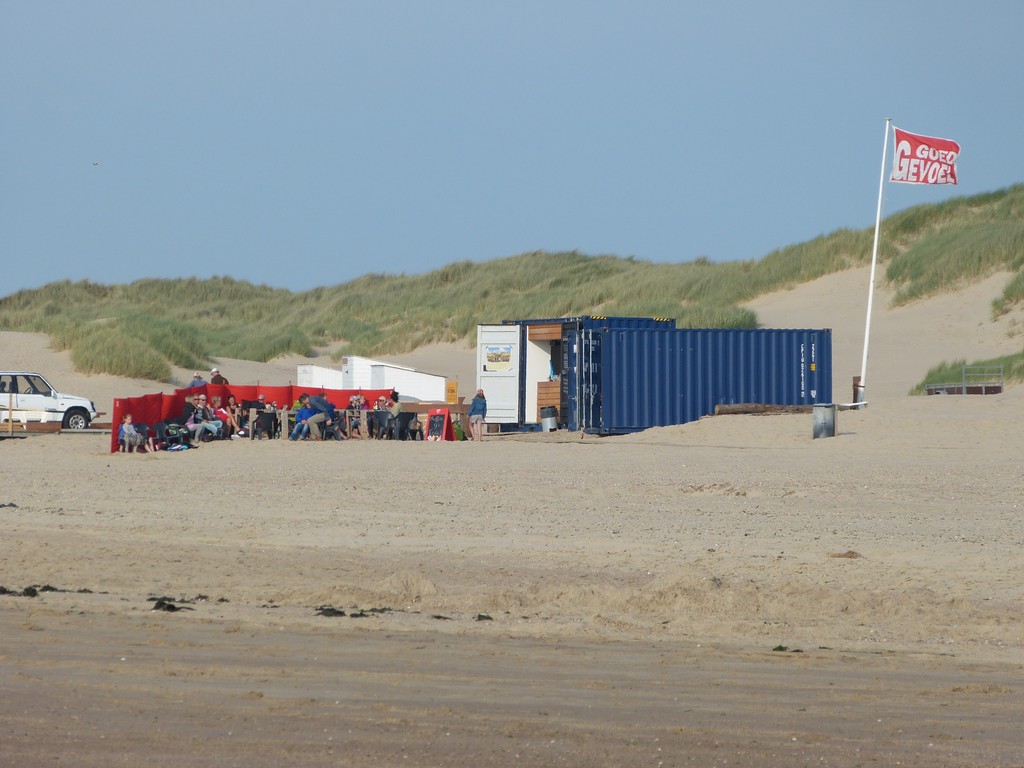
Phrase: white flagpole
[859,389]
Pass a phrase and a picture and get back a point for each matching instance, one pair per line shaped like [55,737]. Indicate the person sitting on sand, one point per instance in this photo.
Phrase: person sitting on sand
[148,439]
[200,420]
[127,436]
[237,415]
[216,378]
[222,413]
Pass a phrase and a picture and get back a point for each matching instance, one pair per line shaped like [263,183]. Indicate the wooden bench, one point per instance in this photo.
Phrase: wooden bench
[974,380]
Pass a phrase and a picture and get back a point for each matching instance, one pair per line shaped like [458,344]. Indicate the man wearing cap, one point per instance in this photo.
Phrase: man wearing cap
[216,378]
[197,380]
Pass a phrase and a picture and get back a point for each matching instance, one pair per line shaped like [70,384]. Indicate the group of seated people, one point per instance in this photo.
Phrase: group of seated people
[316,418]
[312,417]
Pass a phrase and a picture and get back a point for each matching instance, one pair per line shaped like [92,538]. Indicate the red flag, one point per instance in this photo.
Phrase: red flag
[924,159]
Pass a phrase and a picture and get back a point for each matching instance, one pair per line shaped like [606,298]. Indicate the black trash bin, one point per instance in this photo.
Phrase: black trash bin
[548,418]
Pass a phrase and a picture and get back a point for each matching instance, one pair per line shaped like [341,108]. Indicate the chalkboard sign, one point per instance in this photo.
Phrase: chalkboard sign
[435,427]
[439,425]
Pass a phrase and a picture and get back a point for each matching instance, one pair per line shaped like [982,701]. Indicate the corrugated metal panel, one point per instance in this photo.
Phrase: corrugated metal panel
[635,379]
[569,326]
[593,322]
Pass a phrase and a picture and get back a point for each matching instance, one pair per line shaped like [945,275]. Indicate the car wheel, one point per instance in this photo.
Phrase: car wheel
[76,419]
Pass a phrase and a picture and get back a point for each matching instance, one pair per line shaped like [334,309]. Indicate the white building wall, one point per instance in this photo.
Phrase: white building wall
[364,373]
[408,382]
[358,372]
[319,376]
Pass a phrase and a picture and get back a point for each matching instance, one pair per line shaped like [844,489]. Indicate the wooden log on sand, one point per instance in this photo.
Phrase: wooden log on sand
[759,408]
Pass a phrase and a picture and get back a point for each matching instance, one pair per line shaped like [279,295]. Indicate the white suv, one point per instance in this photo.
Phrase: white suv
[27,396]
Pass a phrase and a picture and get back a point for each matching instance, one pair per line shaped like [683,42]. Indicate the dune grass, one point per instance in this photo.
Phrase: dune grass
[143,328]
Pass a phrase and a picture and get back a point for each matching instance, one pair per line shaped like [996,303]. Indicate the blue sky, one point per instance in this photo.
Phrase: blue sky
[305,144]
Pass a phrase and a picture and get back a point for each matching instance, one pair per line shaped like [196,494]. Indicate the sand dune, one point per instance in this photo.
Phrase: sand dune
[905,341]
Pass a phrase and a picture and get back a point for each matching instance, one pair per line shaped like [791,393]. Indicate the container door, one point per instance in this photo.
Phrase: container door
[590,381]
[578,385]
[497,371]
[569,411]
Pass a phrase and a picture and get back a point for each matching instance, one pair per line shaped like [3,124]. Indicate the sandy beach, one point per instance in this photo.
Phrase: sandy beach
[726,592]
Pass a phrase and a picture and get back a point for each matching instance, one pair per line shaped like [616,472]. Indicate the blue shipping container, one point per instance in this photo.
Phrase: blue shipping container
[526,352]
[625,380]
